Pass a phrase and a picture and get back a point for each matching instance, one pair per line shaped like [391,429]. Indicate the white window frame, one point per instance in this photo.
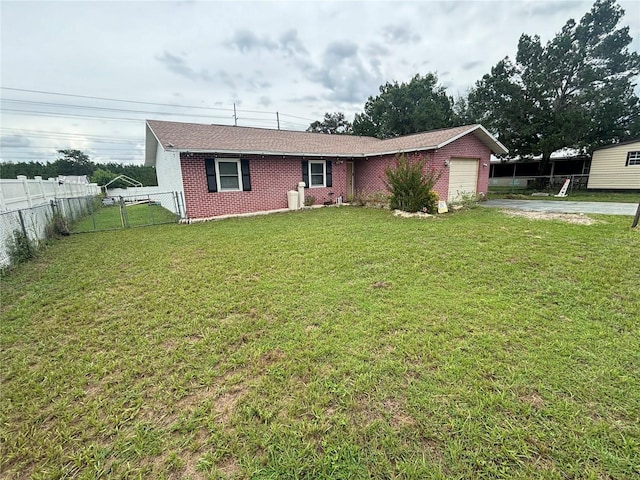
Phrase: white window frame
[239,170]
[633,159]
[324,173]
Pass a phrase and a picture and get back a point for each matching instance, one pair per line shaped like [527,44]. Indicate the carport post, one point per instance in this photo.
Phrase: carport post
[636,218]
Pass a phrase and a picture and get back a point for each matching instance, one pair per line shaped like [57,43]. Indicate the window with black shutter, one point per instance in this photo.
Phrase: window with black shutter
[228,175]
[316,173]
[210,166]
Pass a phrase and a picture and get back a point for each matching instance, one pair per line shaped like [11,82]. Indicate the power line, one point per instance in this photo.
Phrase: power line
[56,134]
[294,116]
[58,147]
[70,115]
[114,99]
[39,113]
[151,103]
[87,107]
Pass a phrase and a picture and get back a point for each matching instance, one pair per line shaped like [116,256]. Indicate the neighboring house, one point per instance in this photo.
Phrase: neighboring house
[225,170]
[616,166]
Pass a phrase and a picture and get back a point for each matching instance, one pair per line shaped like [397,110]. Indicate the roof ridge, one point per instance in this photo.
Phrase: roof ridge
[257,128]
[312,133]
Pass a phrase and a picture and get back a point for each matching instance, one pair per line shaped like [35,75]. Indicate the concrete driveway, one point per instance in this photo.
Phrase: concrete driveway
[564,206]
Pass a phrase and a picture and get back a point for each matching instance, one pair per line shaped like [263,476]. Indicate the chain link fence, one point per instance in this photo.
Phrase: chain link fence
[113,213]
[21,231]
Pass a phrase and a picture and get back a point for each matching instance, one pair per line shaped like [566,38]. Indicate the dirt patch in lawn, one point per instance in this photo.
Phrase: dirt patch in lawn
[403,214]
[576,218]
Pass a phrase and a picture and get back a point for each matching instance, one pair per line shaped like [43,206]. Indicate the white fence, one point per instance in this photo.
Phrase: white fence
[173,203]
[35,223]
[133,191]
[28,193]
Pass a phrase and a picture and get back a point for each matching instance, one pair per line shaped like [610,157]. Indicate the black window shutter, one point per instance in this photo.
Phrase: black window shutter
[305,173]
[246,178]
[210,165]
[329,176]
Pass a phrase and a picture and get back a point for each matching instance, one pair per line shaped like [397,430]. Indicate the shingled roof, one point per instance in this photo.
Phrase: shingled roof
[176,136]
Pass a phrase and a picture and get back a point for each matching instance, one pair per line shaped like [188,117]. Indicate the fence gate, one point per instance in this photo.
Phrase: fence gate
[113,213]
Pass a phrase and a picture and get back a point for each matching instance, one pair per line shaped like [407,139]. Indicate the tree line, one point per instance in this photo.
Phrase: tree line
[575,91]
[76,162]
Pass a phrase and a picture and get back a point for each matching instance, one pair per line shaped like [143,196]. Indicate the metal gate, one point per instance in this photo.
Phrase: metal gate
[114,213]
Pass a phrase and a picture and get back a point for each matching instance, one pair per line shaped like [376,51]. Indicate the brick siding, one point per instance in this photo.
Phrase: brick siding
[271,178]
[468,146]
[369,172]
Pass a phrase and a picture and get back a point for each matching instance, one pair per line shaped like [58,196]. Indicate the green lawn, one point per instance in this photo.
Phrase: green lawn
[110,217]
[575,196]
[326,343]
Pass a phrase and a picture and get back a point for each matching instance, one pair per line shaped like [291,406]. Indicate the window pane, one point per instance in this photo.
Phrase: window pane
[317,180]
[228,168]
[229,182]
[317,168]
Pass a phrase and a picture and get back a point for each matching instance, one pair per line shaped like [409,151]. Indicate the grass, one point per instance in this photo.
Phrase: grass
[575,196]
[326,343]
[110,218]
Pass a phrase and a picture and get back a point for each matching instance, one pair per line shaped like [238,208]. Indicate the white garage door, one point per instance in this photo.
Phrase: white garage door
[463,178]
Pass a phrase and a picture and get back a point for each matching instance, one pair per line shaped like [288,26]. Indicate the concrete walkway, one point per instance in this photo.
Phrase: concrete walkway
[564,206]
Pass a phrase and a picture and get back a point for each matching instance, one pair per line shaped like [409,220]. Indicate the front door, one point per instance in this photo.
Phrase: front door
[350,191]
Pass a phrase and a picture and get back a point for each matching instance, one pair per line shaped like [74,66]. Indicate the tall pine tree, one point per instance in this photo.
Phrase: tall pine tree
[576,91]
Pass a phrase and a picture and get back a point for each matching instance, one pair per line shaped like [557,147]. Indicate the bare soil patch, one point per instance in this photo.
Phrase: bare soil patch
[533,399]
[575,218]
[403,214]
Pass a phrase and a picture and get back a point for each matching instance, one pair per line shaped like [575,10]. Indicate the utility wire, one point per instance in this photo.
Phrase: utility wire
[56,134]
[89,117]
[87,107]
[148,103]
[114,99]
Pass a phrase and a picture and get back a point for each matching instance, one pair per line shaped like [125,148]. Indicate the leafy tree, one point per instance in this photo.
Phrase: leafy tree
[145,175]
[576,91]
[75,162]
[333,123]
[403,108]
[102,176]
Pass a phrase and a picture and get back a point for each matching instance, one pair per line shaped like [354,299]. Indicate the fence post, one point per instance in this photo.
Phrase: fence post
[176,200]
[3,205]
[636,219]
[38,179]
[150,209]
[124,218]
[25,187]
[183,211]
[24,229]
[92,212]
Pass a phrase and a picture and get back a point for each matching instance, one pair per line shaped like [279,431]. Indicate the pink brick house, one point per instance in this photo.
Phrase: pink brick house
[224,170]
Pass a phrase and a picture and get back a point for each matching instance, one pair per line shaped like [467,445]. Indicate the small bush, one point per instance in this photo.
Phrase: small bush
[466,200]
[411,186]
[370,199]
[56,227]
[20,248]
[309,200]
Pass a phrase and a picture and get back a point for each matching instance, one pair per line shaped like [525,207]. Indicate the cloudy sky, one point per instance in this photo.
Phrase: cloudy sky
[85,75]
